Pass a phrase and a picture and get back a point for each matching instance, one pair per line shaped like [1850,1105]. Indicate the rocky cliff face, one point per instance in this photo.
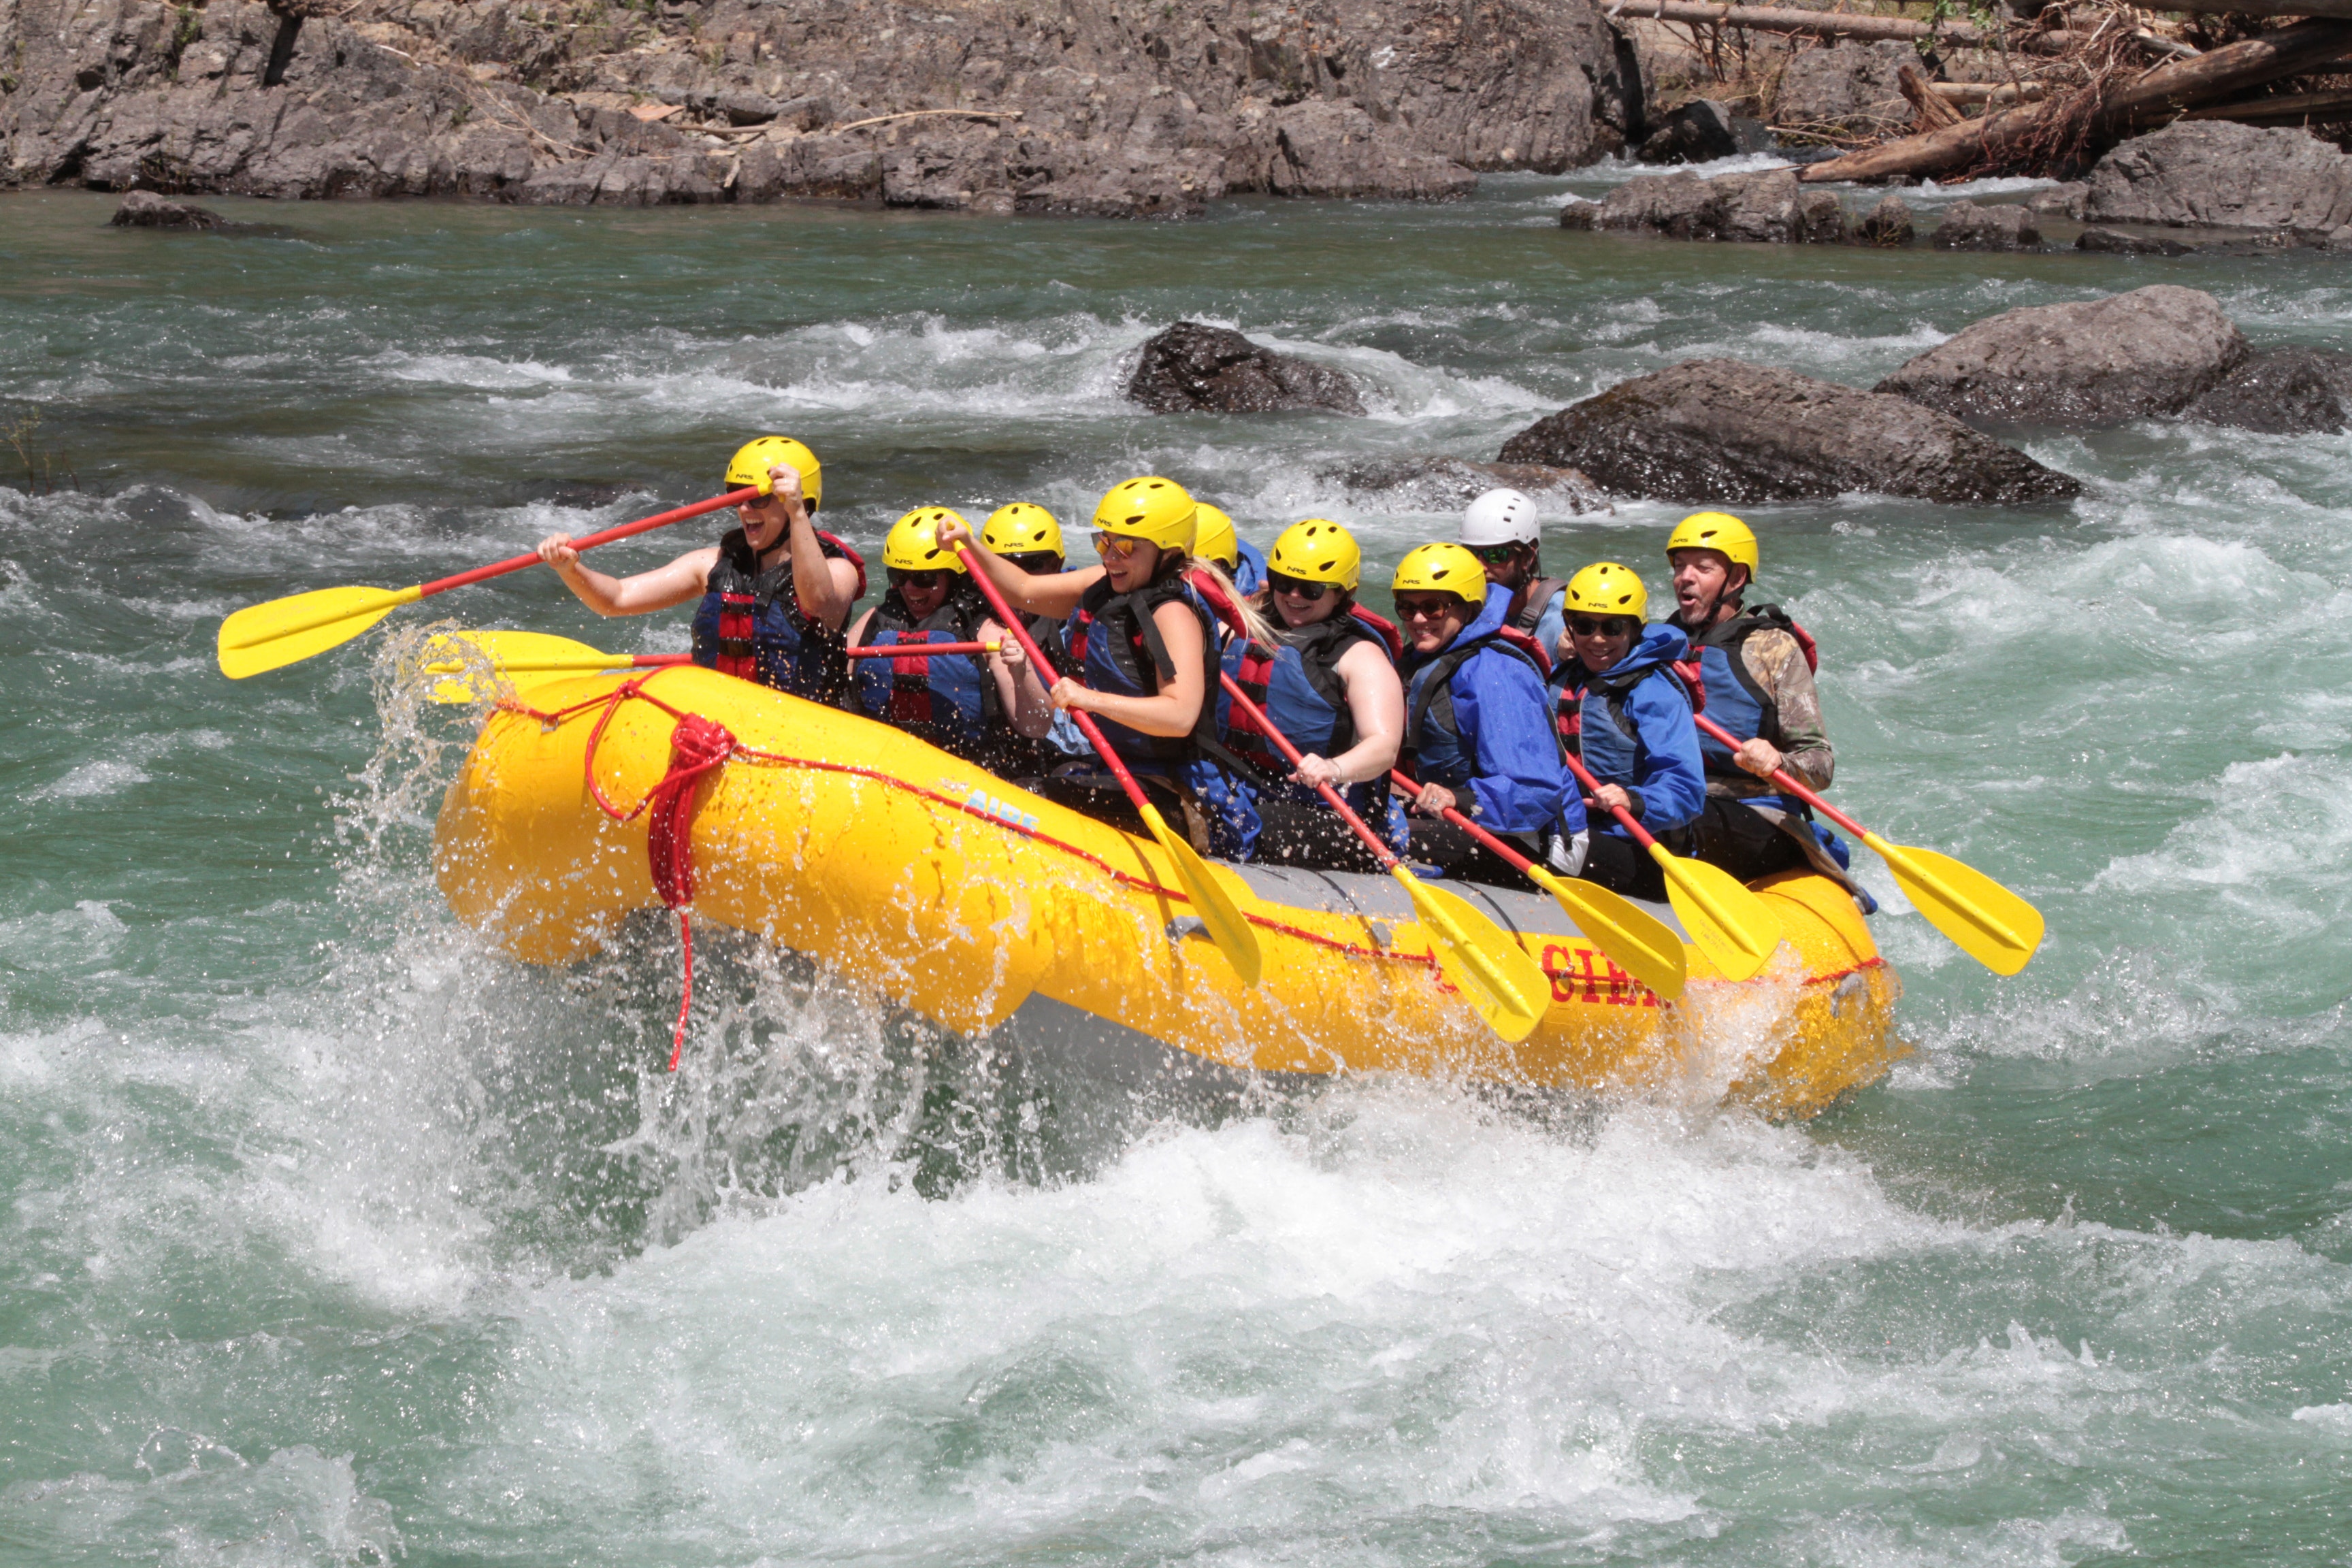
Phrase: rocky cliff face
[1072,106]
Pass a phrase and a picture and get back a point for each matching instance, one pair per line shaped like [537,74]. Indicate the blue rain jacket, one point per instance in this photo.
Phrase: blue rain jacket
[1636,730]
[1487,735]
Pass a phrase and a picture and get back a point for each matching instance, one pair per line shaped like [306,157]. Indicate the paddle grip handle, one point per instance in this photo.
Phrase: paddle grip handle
[1786,780]
[1512,858]
[1264,726]
[1037,661]
[1640,834]
[603,536]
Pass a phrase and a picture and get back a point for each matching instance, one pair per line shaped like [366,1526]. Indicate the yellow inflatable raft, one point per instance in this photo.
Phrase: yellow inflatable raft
[984,906]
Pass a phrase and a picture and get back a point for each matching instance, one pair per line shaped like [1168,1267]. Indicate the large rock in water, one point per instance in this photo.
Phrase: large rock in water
[2103,361]
[1848,86]
[1724,431]
[2218,174]
[145,209]
[1968,226]
[1770,205]
[1084,106]
[1448,484]
[2281,392]
[1191,368]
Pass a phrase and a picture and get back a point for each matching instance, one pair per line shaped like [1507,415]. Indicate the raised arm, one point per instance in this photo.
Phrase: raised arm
[643,594]
[1056,593]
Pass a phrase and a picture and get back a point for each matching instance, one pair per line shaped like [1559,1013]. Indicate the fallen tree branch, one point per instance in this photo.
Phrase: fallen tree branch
[2315,9]
[2009,138]
[1844,25]
[1989,92]
[2293,109]
[919,113]
[1935,112]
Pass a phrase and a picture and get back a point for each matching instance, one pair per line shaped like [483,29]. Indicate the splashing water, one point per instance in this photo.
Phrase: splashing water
[334,1236]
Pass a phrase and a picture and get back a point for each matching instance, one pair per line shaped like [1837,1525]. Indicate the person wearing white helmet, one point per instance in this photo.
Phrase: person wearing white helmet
[1500,528]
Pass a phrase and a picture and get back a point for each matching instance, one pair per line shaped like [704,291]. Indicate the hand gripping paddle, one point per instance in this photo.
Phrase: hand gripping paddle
[284,631]
[1641,944]
[1509,988]
[1729,923]
[1983,918]
[1218,912]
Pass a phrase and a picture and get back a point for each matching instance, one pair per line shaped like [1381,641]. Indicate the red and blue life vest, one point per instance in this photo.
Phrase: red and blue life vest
[1733,699]
[949,699]
[750,623]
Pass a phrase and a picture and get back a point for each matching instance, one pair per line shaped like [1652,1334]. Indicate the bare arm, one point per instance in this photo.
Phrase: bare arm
[824,587]
[1376,702]
[1170,711]
[1018,695]
[1056,593]
[659,589]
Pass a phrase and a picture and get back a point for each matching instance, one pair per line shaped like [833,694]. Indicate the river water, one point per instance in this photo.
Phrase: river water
[334,1237]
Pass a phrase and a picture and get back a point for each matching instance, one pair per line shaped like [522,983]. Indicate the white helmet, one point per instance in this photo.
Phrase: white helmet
[1500,517]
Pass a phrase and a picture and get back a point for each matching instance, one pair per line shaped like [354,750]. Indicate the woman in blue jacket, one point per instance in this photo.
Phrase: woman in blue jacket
[1478,725]
[1619,706]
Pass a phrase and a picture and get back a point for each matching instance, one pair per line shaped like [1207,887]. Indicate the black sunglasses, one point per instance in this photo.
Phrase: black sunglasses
[1311,592]
[933,578]
[1036,561]
[1496,554]
[1602,625]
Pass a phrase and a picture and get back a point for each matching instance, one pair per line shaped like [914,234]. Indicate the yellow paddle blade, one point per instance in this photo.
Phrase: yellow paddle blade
[1509,988]
[1216,909]
[1729,923]
[1984,920]
[1635,941]
[279,633]
[526,659]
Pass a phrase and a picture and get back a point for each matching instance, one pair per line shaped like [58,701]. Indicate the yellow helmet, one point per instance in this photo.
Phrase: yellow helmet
[1608,589]
[751,461]
[1318,551]
[1441,569]
[1025,528]
[913,543]
[1214,537]
[1718,530]
[1156,511]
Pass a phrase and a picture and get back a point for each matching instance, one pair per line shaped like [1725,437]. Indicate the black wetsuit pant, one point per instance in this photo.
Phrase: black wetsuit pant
[1624,867]
[1745,842]
[1310,836]
[1454,853]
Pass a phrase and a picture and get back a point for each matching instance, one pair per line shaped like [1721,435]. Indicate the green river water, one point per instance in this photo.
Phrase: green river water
[332,1237]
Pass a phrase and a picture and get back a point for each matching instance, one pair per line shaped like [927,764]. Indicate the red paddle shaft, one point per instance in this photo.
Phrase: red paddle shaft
[1264,726]
[1512,858]
[1786,780]
[605,536]
[1640,834]
[921,649]
[1037,661]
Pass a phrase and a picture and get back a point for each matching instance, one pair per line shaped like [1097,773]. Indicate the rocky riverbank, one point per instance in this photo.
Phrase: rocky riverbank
[1080,107]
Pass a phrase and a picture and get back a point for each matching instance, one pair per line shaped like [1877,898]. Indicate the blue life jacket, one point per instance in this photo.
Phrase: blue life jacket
[750,624]
[1478,721]
[1296,683]
[949,699]
[1112,643]
[1631,724]
[1734,699]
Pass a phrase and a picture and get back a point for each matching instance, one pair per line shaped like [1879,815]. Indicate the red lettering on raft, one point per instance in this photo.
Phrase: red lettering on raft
[1604,984]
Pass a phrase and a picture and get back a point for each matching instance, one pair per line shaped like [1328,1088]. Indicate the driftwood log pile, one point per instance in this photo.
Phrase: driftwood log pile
[2082,80]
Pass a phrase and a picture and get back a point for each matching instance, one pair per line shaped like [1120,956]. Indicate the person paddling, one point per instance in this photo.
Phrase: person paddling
[1142,647]
[1758,681]
[1218,541]
[1477,724]
[1501,528]
[963,703]
[775,590]
[1327,680]
[1621,710]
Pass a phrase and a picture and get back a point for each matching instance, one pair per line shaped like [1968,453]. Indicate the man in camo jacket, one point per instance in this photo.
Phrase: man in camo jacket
[1759,671]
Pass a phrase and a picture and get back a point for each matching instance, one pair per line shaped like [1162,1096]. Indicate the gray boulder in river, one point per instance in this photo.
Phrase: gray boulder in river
[1770,205]
[1084,106]
[2219,175]
[1724,431]
[1190,368]
[2281,392]
[2001,226]
[145,209]
[2098,362]
[1444,484]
